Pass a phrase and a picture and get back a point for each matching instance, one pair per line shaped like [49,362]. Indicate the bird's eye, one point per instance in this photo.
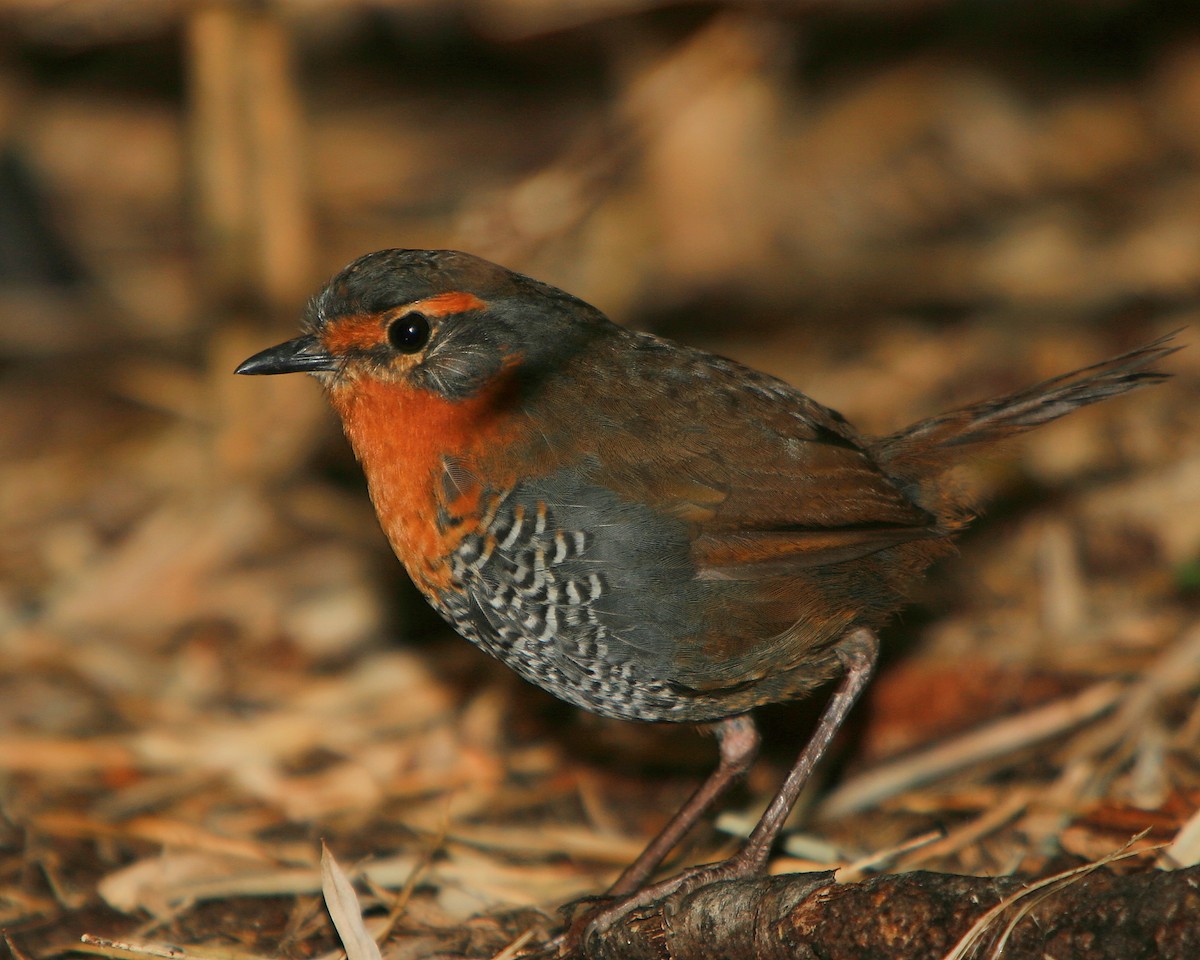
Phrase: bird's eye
[409,333]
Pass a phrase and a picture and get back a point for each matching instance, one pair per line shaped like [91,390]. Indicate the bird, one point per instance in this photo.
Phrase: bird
[646,530]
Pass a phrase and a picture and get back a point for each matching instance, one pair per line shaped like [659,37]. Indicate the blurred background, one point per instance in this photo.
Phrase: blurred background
[209,659]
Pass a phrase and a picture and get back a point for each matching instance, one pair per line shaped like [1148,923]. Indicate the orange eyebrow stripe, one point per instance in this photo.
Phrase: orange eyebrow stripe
[445,304]
[360,331]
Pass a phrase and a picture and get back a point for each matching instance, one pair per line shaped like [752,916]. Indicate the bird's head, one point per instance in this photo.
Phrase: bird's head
[432,320]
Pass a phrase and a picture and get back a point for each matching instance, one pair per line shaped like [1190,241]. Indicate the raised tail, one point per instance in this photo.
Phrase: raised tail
[927,448]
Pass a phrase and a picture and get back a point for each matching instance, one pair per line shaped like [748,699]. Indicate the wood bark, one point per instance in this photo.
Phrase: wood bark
[1099,915]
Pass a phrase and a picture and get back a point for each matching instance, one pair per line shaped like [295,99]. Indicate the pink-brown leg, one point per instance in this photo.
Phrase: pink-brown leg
[858,652]
[738,740]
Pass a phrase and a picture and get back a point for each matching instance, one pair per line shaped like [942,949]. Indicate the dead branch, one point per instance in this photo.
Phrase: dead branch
[1099,915]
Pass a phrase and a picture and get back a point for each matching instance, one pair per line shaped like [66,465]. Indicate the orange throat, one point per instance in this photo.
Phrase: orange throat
[403,436]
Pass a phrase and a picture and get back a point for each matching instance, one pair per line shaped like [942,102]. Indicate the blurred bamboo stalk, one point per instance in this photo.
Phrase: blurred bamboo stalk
[252,208]
[253,225]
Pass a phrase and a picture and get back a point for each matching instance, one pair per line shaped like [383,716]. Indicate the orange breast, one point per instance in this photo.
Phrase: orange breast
[402,436]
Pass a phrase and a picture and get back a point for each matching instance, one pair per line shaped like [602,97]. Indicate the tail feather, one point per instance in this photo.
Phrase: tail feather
[990,420]
[918,455]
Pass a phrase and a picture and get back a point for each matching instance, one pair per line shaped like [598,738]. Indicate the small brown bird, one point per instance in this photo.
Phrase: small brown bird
[645,530]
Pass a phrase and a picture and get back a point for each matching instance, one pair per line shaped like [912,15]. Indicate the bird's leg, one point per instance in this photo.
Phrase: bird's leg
[858,652]
[738,741]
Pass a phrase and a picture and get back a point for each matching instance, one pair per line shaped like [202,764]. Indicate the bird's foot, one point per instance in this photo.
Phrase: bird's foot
[594,918]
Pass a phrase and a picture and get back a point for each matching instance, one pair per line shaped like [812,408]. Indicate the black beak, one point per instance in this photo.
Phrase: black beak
[304,354]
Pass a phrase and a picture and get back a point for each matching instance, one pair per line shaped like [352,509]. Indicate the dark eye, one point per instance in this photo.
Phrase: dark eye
[409,333]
